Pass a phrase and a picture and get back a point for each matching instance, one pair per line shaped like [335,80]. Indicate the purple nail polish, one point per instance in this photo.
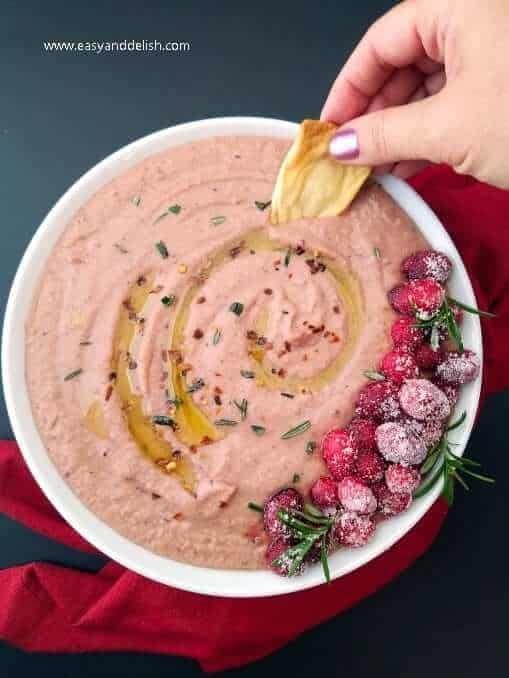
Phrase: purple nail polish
[344,145]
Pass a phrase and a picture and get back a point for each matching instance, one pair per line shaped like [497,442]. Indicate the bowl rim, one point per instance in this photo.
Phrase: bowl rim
[209,581]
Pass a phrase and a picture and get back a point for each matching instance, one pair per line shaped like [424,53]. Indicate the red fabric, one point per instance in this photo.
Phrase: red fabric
[50,608]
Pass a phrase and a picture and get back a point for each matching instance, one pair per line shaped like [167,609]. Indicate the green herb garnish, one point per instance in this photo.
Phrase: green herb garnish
[242,407]
[168,300]
[196,386]
[377,253]
[295,478]
[217,221]
[217,336]
[226,422]
[173,209]
[163,420]
[262,205]
[259,430]
[136,200]
[374,376]
[247,374]
[310,446]
[288,256]
[254,507]
[296,430]
[74,373]
[442,463]
[162,249]
[237,308]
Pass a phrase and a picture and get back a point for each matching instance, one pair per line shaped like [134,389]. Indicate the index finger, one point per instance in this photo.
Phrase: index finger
[392,42]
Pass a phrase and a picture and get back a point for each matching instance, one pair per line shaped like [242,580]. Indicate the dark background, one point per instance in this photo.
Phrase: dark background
[59,115]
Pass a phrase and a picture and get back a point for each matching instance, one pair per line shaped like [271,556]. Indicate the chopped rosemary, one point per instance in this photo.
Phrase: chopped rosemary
[287,395]
[120,248]
[242,407]
[86,343]
[247,374]
[163,420]
[259,430]
[172,209]
[136,200]
[196,386]
[374,376]
[217,221]
[288,256]
[237,308]
[262,205]
[295,478]
[217,336]
[168,300]
[377,253]
[310,446]
[226,422]
[74,373]
[254,507]
[297,430]
[443,463]
[162,249]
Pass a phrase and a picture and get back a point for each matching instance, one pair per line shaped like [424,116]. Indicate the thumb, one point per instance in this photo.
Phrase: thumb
[409,132]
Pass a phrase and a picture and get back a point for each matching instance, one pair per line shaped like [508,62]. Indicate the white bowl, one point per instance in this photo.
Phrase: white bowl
[234,583]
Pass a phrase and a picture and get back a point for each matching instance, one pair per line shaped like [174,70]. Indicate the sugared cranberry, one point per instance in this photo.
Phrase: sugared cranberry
[378,400]
[399,365]
[274,550]
[429,431]
[402,479]
[363,434]
[390,503]
[427,264]
[458,368]
[287,498]
[427,357]
[370,466]
[451,391]
[339,452]
[397,444]
[352,529]
[356,496]
[405,334]
[324,493]
[421,399]
[399,299]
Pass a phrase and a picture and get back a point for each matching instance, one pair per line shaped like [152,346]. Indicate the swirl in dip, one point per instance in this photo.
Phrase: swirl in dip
[176,336]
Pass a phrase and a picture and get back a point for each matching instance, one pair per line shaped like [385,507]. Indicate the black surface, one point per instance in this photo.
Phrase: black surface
[59,115]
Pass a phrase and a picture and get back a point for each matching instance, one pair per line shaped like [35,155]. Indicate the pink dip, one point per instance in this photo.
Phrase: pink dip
[105,249]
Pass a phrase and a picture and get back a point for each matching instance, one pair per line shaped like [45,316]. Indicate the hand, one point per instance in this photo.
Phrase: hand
[429,81]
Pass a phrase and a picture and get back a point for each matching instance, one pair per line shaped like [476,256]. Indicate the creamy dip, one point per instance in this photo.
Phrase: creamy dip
[176,336]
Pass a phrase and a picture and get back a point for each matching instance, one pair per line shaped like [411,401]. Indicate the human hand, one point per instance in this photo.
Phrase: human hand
[429,81]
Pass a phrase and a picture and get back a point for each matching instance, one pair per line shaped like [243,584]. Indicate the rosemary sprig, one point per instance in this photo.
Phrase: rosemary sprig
[242,408]
[172,209]
[374,375]
[296,430]
[73,374]
[217,221]
[470,309]
[377,253]
[307,528]
[226,422]
[162,249]
[443,463]
[217,336]
[259,430]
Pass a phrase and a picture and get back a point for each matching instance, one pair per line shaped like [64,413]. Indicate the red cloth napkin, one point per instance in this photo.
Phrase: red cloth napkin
[51,608]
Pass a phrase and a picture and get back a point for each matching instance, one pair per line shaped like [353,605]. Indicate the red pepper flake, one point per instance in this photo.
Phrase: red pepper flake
[178,516]
[223,504]
[108,393]
[251,335]
[218,389]
[206,440]
[261,341]
[193,449]
[299,250]
[290,275]
[112,376]
[281,373]
[198,334]
[336,309]
[132,364]
[267,291]
[154,495]
[217,399]
[305,357]
[288,347]
[164,355]
[141,281]
[316,266]
[235,251]
[175,357]
[201,300]
[176,454]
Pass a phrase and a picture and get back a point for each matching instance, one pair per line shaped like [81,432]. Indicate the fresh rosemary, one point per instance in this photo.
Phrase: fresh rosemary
[296,430]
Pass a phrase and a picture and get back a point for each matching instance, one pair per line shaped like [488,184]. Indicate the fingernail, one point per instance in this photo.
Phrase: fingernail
[344,145]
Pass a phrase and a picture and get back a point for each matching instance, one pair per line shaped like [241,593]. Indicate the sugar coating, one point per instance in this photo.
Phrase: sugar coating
[356,496]
[402,478]
[352,529]
[458,368]
[421,399]
[427,264]
[398,444]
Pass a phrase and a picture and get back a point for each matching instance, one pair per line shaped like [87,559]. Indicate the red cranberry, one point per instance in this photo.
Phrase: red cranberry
[352,529]
[405,334]
[421,399]
[288,498]
[458,368]
[427,357]
[274,550]
[390,503]
[399,365]
[363,434]
[339,452]
[378,400]
[324,493]
[427,264]
[397,444]
[402,479]
[356,496]
[370,466]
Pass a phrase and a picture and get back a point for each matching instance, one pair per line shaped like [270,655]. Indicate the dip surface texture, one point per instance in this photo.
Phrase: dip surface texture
[176,336]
